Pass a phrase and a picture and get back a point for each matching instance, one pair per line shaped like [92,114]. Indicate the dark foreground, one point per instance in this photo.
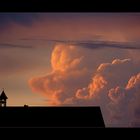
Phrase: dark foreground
[51,117]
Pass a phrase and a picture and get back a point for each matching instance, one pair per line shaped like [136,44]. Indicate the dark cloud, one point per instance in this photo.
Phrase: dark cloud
[99,18]
[92,44]
[109,44]
[25,19]
[10,45]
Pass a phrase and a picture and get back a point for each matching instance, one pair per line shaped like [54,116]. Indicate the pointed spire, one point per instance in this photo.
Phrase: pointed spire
[3,95]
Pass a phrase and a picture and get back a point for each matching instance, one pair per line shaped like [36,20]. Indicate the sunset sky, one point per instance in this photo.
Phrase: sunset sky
[79,59]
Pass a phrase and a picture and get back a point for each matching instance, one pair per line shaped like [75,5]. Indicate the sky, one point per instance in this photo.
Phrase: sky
[73,59]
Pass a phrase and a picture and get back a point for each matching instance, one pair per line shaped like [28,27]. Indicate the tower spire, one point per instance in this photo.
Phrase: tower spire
[3,98]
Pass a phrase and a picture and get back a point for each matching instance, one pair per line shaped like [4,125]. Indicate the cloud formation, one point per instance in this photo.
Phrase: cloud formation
[67,70]
[117,93]
[75,80]
[125,102]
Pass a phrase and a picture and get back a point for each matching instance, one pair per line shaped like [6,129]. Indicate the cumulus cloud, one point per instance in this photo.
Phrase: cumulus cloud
[114,86]
[134,82]
[109,75]
[125,102]
[66,76]
[117,93]
[65,59]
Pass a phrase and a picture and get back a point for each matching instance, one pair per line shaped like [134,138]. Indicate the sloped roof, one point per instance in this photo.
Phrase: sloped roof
[3,95]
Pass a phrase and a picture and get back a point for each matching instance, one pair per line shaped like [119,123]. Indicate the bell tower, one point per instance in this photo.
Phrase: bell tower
[3,99]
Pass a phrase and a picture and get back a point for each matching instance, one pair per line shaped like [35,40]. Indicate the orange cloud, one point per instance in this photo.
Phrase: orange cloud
[75,81]
[97,84]
[106,77]
[116,94]
[133,82]
[67,69]
[65,58]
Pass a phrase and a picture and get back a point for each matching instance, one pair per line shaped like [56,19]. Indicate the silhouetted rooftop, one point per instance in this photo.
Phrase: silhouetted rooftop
[51,117]
[3,96]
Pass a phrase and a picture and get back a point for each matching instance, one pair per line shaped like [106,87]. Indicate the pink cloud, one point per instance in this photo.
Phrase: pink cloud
[75,81]
[66,76]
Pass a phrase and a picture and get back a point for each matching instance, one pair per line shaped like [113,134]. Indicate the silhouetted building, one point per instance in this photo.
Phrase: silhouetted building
[3,99]
[51,116]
